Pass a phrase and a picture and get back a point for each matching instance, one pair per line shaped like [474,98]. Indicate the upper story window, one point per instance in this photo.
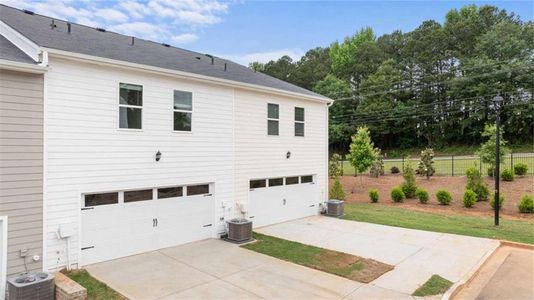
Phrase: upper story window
[130,106]
[273,112]
[183,110]
[299,121]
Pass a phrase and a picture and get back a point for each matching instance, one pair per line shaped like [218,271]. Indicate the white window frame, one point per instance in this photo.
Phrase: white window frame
[129,106]
[299,122]
[273,119]
[184,111]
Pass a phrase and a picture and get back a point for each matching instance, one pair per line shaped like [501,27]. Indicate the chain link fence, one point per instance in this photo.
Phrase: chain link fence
[453,165]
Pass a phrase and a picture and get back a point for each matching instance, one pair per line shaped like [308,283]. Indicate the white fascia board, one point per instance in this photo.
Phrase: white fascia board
[23,43]
[22,67]
[181,74]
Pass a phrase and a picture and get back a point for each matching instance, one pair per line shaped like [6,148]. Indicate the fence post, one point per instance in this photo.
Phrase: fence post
[480,165]
[342,165]
[452,161]
[511,160]
[403,164]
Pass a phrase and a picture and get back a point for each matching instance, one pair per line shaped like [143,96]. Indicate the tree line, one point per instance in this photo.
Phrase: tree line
[429,87]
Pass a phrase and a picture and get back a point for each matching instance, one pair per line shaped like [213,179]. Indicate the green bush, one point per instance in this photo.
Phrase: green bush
[507,175]
[409,186]
[476,184]
[334,166]
[394,170]
[527,204]
[422,195]
[444,197]
[520,169]
[397,195]
[336,192]
[373,195]
[501,201]
[491,171]
[470,197]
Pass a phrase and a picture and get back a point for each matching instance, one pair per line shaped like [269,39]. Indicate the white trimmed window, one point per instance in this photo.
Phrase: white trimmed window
[273,114]
[299,121]
[182,110]
[130,106]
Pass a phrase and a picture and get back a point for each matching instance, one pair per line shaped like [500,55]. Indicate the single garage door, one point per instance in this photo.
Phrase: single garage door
[119,224]
[275,200]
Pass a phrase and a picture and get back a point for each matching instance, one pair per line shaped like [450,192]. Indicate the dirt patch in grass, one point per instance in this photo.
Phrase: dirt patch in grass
[342,264]
[357,189]
[96,290]
[434,286]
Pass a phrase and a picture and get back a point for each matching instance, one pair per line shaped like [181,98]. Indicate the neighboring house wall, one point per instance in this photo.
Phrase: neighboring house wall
[259,155]
[21,166]
[88,153]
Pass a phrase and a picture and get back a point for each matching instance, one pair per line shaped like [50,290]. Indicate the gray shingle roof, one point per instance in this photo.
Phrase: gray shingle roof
[8,51]
[88,40]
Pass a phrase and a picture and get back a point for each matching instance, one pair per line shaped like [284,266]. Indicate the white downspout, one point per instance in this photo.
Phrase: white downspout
[326,150]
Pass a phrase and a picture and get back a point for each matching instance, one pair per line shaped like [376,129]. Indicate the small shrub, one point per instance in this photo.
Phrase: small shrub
[336,192]
[409,186]
[444,197]
[507,175]
[527,204]
[426,164]
[373,195]
[422,195]
[476,184]
[501,201]
[470,197]
[397,195]
[491,171]
[520,169]
[377,168]
[334,166]
[394,170]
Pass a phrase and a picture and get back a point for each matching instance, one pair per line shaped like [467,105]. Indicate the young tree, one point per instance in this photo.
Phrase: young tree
[426,164]
[334,167]
[362,151]
[487,149]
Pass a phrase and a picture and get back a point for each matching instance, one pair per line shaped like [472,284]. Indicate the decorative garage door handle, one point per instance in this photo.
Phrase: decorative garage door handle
[284,201]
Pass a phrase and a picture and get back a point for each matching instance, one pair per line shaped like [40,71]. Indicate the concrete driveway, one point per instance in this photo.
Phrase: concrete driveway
[213,269]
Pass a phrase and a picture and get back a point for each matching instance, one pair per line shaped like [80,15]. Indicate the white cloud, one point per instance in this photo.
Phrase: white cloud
[184,38]
[264,57]
[169,21]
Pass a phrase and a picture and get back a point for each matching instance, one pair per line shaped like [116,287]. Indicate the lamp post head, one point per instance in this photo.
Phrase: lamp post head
[497,99]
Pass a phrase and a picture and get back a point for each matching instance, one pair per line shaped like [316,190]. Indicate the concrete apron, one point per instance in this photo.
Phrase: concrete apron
[416,254]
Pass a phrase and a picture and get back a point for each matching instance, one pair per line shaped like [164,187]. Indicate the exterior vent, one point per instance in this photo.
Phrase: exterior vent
[29,12]
[100,29]
[38,286]
[239,230]
[165,45]
[335,208]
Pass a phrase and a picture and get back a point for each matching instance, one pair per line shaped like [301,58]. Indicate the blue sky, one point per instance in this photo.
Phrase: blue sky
[248,30]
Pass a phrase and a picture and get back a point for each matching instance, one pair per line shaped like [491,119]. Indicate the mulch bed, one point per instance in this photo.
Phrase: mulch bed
[356,190]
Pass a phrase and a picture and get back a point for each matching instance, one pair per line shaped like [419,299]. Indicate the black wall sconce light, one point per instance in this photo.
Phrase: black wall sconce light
[158,155]
[288,154]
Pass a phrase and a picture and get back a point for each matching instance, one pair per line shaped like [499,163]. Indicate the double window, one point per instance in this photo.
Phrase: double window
[130,106]
[299,121]
[273,115]
[182,110]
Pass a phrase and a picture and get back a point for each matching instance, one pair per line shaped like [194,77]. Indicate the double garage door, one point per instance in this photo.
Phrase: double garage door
[124,223]
[275,200]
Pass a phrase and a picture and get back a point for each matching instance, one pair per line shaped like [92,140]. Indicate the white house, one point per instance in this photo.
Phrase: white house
[146,146]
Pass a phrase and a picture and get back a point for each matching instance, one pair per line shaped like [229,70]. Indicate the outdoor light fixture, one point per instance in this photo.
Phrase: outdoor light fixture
[288,154]
[158,155]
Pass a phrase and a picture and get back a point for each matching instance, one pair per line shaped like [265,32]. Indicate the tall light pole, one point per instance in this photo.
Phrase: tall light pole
[497,100]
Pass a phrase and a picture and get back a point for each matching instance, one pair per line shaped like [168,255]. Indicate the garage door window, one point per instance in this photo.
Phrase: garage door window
[134,196]
[256,184]
[292,180]
[202,189]
[306,179]
[276,181]
[101,199]
[171,192]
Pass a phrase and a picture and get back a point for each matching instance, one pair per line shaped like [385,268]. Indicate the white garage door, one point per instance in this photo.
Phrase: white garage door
[119,224]
[276,200]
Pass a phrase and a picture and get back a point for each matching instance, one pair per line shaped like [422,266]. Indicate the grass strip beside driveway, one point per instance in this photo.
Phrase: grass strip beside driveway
[434,286]
[342,264]
[96,290]
[511,230]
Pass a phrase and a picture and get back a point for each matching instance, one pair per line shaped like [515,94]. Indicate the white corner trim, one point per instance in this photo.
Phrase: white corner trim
[192,76]
[23,67]
[3,256]
[23,43]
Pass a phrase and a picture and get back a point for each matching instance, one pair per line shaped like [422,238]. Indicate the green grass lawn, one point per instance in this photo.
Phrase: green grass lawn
[434,286]
[96,290]
[511,230]
[338,263]
[445,165]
